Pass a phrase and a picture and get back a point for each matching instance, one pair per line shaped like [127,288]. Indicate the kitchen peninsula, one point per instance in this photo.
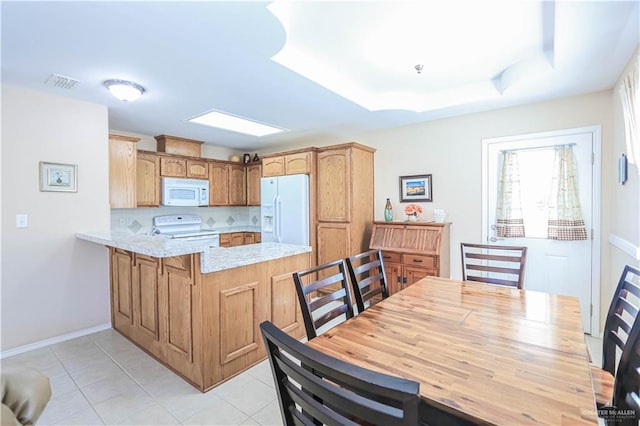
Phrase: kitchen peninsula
[197,308]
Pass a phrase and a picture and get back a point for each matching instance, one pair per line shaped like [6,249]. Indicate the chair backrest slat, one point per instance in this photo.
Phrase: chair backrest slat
[623,312]
[314,388]
[493,264]
[324,299]
[365,271]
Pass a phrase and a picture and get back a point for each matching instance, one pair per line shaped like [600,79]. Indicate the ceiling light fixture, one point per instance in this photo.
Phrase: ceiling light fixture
[234,123]
[124,90]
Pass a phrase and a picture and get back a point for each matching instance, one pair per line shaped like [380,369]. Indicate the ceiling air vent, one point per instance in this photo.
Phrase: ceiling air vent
[62,81]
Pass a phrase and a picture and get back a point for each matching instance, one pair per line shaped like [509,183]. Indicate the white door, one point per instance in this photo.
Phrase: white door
[560,267]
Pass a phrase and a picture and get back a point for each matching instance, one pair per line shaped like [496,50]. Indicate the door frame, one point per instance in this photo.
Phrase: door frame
[596,135]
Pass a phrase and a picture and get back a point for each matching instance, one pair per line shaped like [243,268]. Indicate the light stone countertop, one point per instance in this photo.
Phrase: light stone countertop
[212,259]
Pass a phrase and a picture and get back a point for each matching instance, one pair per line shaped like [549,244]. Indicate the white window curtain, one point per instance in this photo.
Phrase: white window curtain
[629,96]
[565,215]
[509,219]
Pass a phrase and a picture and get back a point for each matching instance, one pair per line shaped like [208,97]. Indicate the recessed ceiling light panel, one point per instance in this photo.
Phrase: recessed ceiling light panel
[234,123]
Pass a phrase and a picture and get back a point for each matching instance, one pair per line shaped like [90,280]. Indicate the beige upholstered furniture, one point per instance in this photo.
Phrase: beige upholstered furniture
[25,392]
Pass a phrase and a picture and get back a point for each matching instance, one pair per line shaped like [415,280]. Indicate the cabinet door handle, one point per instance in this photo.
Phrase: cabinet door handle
[399,280]
[404,280]
[417,261]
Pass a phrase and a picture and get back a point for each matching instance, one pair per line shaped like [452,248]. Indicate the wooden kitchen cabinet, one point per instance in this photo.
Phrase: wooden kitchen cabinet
[147,180]
[173,167]
[237,185]
[254,174]
[249,238]
[178,296]
[293,163]
[412,251]
[122,290]
[122,171]
[237,239]
[158,304]
[218,183]
[197,169]
[344,189]
[225,240]
[146,312]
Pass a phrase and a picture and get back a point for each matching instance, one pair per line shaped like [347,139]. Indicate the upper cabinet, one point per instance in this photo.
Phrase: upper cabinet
[334,185]
[197,169]
[218,183]
[148,180]
[173,167]
[237,185]
[288,164]
[122,171]
[254,173]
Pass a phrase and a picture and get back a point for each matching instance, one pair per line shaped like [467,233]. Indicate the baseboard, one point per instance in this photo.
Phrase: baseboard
[53,340]
[624,245]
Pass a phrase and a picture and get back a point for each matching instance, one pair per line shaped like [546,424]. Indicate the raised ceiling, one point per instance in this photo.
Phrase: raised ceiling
[316,68]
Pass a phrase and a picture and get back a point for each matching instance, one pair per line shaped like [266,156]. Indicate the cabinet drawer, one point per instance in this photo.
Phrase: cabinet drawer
[422,261]
[388,256]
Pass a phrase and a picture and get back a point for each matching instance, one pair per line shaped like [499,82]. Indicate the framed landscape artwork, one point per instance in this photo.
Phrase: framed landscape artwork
[415,188]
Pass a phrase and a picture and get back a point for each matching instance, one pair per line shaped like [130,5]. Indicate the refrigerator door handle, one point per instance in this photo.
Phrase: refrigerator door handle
[274,217]
[279,218]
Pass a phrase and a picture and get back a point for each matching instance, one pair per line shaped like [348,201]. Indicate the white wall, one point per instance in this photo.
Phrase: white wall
[52,283]
[625,199]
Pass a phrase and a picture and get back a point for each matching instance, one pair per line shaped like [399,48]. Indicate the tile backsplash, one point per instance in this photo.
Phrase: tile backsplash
[140,221]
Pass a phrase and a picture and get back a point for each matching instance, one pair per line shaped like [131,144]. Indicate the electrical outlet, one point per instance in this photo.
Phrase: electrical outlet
[22,221]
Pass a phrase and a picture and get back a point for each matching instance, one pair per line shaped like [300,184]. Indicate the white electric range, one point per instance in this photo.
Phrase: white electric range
[186,227]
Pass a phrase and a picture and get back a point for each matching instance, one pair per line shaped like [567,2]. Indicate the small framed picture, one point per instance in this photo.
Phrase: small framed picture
[58,177]
[415,188]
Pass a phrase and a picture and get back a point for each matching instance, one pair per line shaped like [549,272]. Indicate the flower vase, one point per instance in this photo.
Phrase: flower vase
[412,217]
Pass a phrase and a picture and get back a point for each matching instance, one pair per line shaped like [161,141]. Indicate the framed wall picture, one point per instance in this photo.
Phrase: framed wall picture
[58,177]
[415,188]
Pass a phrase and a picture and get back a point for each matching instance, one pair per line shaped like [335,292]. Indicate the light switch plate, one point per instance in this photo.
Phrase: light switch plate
[22,221]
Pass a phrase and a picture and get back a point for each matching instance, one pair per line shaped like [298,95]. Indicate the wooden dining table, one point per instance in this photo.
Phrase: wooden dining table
[486,354]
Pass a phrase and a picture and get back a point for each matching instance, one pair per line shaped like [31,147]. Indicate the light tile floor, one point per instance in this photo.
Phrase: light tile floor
[103,379]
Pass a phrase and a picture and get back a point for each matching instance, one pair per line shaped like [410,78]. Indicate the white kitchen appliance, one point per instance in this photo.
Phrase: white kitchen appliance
[186,227]
[285,209]
[185,192]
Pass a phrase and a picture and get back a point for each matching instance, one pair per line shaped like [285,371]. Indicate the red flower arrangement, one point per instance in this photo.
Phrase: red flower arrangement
[413,209]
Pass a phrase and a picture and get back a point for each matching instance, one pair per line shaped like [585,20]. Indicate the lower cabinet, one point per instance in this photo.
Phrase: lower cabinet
[234,239]
[205,327]
[403,270]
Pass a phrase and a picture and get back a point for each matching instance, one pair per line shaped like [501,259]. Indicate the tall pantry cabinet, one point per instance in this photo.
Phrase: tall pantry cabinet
[345,205]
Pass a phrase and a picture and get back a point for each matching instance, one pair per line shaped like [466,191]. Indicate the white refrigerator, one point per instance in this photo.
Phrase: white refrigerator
[284,210]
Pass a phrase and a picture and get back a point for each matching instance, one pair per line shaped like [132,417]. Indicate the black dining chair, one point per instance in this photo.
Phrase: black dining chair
[368,278]
[315,388]
[502,265]
[623,312]
[626,393]
[324,295]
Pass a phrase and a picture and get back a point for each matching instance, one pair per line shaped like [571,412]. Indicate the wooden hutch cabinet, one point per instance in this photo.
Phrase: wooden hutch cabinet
[412,251]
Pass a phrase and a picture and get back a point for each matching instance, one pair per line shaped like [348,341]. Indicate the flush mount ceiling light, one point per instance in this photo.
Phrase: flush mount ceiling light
[124,90]
[234,123]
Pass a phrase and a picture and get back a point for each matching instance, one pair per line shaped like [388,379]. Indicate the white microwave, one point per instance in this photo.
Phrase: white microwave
[185,192]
